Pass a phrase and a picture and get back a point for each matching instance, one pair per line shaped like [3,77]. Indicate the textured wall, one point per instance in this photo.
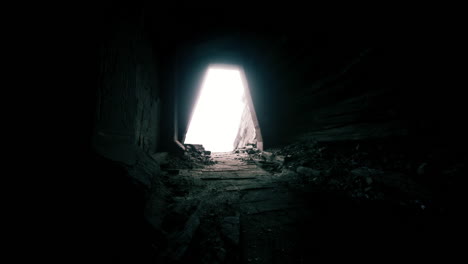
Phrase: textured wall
[128,101]
[351,103]
[333,87]
[246,133]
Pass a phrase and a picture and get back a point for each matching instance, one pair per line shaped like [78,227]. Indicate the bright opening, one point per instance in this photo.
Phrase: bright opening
[217,115]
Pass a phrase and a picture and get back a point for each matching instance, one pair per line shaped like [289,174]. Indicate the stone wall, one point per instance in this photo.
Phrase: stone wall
[128,103]
[247,133]
[332,87]
[341,87]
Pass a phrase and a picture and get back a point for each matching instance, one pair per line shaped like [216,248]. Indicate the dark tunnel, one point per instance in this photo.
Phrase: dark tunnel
[351,145]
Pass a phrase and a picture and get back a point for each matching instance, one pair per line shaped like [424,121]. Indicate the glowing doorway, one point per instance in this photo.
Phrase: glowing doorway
[217,115]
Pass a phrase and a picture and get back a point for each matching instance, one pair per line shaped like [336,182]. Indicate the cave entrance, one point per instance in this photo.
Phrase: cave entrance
[224,117]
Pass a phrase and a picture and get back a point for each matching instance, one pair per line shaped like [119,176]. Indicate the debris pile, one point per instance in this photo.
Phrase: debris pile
[350,169]
[250,148]
[195,156]
[200,226]
[196,225]
[198,155]
[264,159]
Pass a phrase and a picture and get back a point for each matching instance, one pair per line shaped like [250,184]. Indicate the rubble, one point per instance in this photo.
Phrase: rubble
[198,155]
[195,156]
[250,148]
[179,241]
[145,169]
[202,225]
[230,228]
[161,157]
[268,156]
[353,171]
[365,172]
[422,169]
[195,225]
[264,159]
[307,171]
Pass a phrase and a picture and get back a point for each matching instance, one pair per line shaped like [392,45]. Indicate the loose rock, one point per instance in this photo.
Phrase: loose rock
[307,171]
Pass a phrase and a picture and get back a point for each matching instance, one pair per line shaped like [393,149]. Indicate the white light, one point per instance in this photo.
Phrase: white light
[217,114]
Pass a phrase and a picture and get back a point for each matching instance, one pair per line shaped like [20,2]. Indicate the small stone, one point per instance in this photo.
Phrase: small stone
[230,228]
[221,254]
[365,172]
[251,151]
[173,172]
[307,171]
[161,157]
[422,169]
[267,155]
[280,159]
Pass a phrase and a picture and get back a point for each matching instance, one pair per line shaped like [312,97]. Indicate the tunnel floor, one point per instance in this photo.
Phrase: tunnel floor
[236,212]
[249,214]
[263,210]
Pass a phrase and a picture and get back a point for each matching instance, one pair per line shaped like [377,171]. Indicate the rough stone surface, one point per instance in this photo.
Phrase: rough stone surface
[180,241]
[128,103]
[268,156]
[231,228]
[307,171]
[161,157]
[365,172]
[246,133]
